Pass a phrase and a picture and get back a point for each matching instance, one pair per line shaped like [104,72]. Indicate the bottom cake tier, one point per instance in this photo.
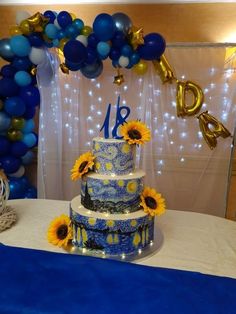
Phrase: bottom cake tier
[112,234]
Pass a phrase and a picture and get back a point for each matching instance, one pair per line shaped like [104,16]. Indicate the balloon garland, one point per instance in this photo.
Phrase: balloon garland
[80,48]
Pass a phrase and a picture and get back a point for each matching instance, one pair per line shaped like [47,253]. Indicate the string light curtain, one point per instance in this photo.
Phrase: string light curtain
[177,161]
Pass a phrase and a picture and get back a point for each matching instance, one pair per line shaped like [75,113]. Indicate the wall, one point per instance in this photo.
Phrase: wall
[176,22]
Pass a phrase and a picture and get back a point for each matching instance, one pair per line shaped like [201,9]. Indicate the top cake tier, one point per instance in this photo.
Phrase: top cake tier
[113,156]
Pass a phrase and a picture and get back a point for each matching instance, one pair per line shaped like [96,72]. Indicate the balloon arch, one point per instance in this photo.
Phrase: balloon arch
[80,48]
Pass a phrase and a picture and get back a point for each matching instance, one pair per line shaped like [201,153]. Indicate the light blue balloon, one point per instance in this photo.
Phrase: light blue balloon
[51,31]
[103,48]
[28,127]
[22,78]
[20,45]
[55,42]
[5,121]
[29,139]
[27,158]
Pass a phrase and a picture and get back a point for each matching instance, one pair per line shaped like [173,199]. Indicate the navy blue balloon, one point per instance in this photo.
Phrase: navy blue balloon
[8,87]
[92,70]
[10,164]
[154,46]
[17,189]
[30,95]
[75,51]
[92,40]
[18,149]
[8,71]
[24,181]
[126,50]
[60,34]
[64,19]
[35,39]
[31,192]
[50,14]
[73,66]
[119,40]
[5,49]
[14,106]
[104,27]
[22,63]
[29,112]
[71,31]
[4,145]
[134,58]
[92,56]
[114,53]
[27,158]
[115,63]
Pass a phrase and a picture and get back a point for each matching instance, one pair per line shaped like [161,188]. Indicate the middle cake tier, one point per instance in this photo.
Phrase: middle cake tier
[112,193]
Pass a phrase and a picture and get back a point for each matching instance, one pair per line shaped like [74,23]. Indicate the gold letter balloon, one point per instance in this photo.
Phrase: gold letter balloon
[184,109]
[209,133]
[163,69]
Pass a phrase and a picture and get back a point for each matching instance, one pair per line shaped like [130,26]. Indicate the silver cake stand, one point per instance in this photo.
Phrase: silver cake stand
[150,250]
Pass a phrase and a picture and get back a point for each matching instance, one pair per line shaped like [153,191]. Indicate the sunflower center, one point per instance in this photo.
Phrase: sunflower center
[83,165]
[134,134]
[151,202]
[62,232]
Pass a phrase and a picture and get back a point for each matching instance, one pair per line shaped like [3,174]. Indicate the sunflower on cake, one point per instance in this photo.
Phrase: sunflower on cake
[114,215]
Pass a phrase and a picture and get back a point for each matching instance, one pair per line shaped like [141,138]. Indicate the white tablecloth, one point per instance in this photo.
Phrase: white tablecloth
[192,241]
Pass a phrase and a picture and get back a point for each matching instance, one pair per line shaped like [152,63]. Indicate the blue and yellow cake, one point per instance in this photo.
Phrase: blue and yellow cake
[114,214]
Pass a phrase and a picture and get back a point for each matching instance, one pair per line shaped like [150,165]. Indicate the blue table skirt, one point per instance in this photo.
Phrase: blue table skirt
[34,281]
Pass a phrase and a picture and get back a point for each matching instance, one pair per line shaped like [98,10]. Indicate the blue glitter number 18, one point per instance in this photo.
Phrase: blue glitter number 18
[119,120]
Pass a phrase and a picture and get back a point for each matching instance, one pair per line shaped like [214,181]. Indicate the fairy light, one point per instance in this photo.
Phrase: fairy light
[90,93]
[182,159]
[125,87]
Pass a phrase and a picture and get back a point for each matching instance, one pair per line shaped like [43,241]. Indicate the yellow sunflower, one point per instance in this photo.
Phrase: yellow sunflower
[82,165]
[135,132]
[152,202]
[60,231]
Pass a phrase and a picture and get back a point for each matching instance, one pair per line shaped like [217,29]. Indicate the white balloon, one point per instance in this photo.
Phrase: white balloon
[19,173]
[83,39]
[37,55]
[56,24]
[21,16]
[123,61]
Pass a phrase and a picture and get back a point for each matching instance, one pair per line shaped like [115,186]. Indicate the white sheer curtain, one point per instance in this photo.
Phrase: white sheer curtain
[177,161]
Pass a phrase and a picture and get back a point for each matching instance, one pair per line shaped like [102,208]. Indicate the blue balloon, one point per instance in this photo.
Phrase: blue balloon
[51,31]
[104,27]
[71,31]
[35,39]
[8,71]
[18,149]
[56,42]
[75,51]
[50,15]
[24,181]
[29,111]
[10,164]
[103,49]
[64,19]
[30,139]
[126,50]
[134,58]
[17,189]
[4,145]
[31,192]
[91,56]
[79,24]
[92,70]
[5,121]
[60,34]
[14,106]
[114,53]
[5,49]
[119,40]
[30,95]
[20,45]
[27,158]
[22,78]
[92,40]
[22,63]
[8,87]
[154,46]
[28,126]
[73,66]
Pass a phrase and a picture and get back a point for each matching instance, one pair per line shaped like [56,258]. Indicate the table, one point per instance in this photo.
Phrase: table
[192,241]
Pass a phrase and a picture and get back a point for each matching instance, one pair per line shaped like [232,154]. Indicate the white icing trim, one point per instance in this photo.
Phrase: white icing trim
[108,140]
[80,209]
[136,174]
